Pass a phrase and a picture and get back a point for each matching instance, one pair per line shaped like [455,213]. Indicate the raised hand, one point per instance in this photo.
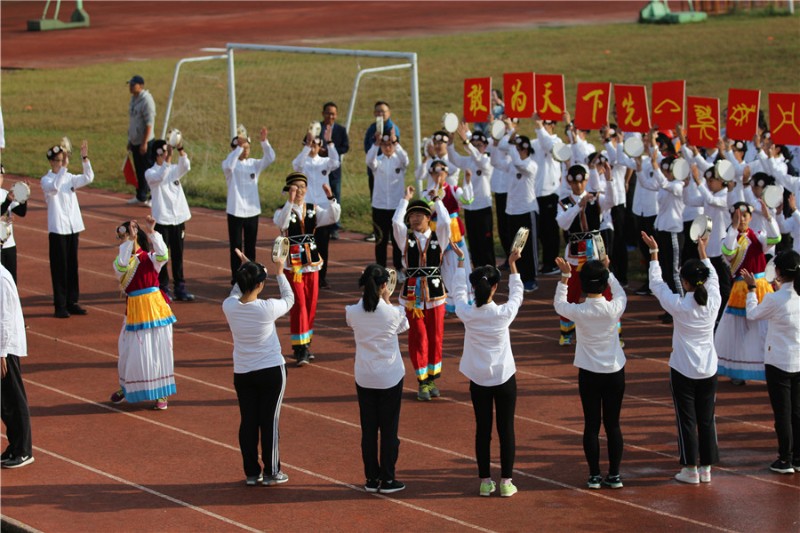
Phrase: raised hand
[748,277]
[150,225]
[264,133]
[409,192]
[649,240]
[327,190]
[84,148]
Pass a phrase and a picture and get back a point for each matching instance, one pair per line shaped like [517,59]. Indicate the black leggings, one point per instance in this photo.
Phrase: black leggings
[238,226]
[694,413]
[601,397]
[505,401]
[784,395]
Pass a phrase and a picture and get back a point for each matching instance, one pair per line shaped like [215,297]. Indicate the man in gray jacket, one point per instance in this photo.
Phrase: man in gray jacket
[142,113]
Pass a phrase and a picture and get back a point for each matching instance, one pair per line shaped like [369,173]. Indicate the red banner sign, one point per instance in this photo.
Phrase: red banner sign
[784,117]
[631,105]
[742,123]
[549,92]
[518,92]
[702,121]
[477,99]
[591,105]
[668,99]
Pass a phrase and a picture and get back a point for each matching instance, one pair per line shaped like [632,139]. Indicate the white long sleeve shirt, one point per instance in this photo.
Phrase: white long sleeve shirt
[255,340]
[487,359]
[481,168]
[670,201]
[170,207]
[715,206]
[63,210]
[645,200]
[548,177]
[12,325]
[521,182]
[693,352]
[378,362]
[325,215]
[791,225]
[317,169]
[242,178]
[596,319]
[390,176]
[781,310]
[500,177]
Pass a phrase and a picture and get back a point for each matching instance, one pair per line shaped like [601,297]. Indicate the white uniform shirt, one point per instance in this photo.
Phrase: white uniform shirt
[390,176]
[63,211]
[670,201]
[255,341]
[548,177]
[487,359]
[645,201]
[500,177]
[170,207]
[242,177]
[781,310]
[317,169]
[715,206]
[378,364]
[12,325]
[596,319]
[481,168]
[789,225]
[693,352]
[521,182]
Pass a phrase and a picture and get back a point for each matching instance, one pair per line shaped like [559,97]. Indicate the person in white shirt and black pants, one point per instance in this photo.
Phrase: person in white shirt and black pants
[388,162]
[489,364]
[64,222]
[379,373]
[781,310]
[693,361]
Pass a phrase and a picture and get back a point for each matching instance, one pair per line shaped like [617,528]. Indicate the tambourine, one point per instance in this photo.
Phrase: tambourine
[498,130]
[562,152]
[314,128]
[769,272]
[280,249]
[520,239]
[379,125]
[21,192]
[450,122]
[599,246]
[772,196]
[680,169]
[391,283]
[5,230]
[66,145]
[174,138]
[724,170]
[701,226]
[241,131]
[633,147]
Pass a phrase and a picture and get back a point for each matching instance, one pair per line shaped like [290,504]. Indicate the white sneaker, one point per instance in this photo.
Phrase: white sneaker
[705,474]
[688,474]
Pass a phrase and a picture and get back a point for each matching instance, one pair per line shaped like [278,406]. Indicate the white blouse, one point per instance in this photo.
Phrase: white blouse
[781,309]
[378,364]
[242,178]
[170,207]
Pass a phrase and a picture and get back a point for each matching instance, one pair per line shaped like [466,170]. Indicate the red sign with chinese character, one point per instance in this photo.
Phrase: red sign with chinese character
[668,99]
[477,99]
[591,105]
[742,123]
[632,111]
[784,117]
[518,92]
[549,92]
[702,121]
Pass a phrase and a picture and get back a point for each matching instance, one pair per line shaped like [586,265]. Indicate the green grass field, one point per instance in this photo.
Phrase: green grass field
[39,107]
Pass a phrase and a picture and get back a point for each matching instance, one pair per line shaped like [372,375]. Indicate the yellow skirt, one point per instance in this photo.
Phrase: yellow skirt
[738,297]
[147,309]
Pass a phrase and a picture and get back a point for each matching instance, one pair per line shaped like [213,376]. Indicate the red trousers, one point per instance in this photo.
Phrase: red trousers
[306,293]
[425,336]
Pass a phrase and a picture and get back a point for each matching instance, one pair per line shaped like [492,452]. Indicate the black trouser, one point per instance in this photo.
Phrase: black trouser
[619,249]
[260,394]
[322,236]
[548,230]
[379,410]
[632,237]
[784,395]
[480,236]
[669,257]
[724,274]
[529,260]
[382,226]
[64,270]
[502,221]
[173,237]
[689,250]
[8,258]
[504,398]
[236,227]
[601,398]
[647,225]
[141,162]
[14,409]
[694,401]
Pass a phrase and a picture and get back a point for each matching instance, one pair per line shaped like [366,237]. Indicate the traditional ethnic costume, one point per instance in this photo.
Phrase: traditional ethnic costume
[145,342]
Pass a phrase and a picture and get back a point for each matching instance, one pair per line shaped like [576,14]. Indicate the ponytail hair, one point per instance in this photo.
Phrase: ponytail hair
[695,272]
[787,265]
[124,230]
[249,275]
[482,280]
[373,277]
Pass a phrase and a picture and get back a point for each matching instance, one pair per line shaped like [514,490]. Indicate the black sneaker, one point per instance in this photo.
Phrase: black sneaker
[595,482]
[323,284]
[370,237]
[76,309]
[372,485]
[781,467]
[252,481]
[19,461]
[388,487]
[5,456]
[335,235]
[303,359]
[613,482]
[796,465]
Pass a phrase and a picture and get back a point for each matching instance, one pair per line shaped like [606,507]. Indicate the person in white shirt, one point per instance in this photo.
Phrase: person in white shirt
[317,169]
[548,181]
[789,221]
[171,211]
[64,224]
[259,370]
[244,203]
[489,364]
[499,186]
[13,345]
[388,162]
[781,310]
[600,361]
[693,361]
[9,207]
[379,373]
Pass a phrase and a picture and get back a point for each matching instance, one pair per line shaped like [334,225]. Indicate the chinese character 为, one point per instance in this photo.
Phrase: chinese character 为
[475,96]
[658,109]
[597,104]
[741,113]
[627,103]
[787,118]
[548,105]
[519,100]
[704,121]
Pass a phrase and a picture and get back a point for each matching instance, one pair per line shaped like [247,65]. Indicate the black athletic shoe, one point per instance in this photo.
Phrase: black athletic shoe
[613,482]
[781,467]
[61,313]
[303,359]
[76,309]
[372,485]
[23,460]
[5,456]
[388,487]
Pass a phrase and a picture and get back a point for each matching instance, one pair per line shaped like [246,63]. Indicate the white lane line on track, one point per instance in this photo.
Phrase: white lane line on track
[437,514]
